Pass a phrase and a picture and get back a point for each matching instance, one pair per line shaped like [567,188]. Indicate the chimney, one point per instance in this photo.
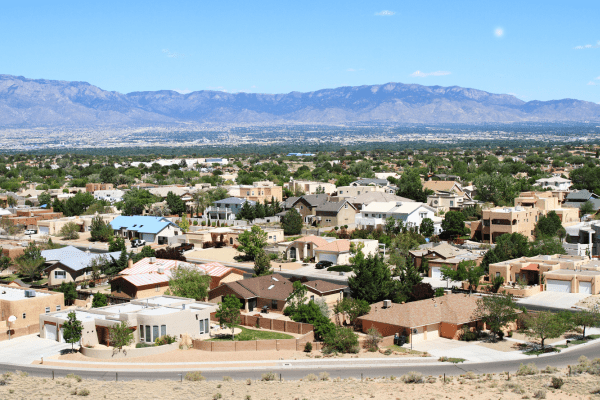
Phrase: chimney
[129,263]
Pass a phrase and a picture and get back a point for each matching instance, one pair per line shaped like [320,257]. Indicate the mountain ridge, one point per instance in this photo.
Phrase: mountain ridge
[26,102]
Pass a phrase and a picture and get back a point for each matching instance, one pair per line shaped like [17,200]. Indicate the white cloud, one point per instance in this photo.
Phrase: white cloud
[499,32]
[170,54]
[591,83]
[183,91]
[218,89]
[588,46]
[351,70]
[419,74]
[385,13]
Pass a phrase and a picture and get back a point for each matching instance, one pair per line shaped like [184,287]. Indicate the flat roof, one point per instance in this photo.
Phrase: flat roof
[164,300]
[159,311]
[122,308]
[573,272]
[79,315]
[13,294]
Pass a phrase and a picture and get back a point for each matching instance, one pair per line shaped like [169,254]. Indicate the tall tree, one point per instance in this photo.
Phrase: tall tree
[228,313]
[262,264]
[189,282]
[72,329]
[292,222]
[176,205]
[587,318]
[466,270]
[252,242]
[426,228]
[454,224]
[497,311]
[120,335]
[410,186]
[136,200]
[545,325]
[100,230]
[372,280]
[246,212]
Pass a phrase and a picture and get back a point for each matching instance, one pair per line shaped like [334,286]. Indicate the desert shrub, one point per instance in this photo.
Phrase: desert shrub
[269,376]
[73,376]
[549,370]
[323,376]
[248,381]
[227,379]
[470,375]
[516,388]
[2,382]
[247,397]
[557,383]
[308,347]
[310,378]
[83,392]
[529,369]
[373,339]
[165,339]
[583,365]
[217,396]
[22,374]
[388,352]
[540,394]
[412,377]
[194,376]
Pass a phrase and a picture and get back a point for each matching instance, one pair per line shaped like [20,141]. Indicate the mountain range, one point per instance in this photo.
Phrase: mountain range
[27,103]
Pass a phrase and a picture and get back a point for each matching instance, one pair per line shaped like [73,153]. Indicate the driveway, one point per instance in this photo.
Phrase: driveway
[468,350]
[554,299]
[26,349]
[443,283]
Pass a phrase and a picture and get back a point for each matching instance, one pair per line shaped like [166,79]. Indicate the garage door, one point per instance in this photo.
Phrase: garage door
[433,331]
[418,337]
[328,257]
[585,287]
[44,230]
[50,332]
[553,285]
[436,272]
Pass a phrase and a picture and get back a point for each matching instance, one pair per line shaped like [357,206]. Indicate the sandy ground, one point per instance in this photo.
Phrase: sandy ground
[503,345]
[384,388]
[589,302]
[191,355]
[225,254]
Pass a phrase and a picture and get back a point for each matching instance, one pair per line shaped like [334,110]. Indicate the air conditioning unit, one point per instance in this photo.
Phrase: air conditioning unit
[160,270]
[30,293]
[387,303]
[152,260]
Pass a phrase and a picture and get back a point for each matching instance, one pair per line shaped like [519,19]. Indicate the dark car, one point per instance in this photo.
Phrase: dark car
[323,264]
[183,247]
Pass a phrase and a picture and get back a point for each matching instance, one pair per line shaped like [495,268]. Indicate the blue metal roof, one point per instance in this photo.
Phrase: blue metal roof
[62,253]
[142,224]
[234,200]
[82,262]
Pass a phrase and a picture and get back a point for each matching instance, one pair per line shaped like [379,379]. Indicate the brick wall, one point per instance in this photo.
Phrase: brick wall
[258,345]
[272,324]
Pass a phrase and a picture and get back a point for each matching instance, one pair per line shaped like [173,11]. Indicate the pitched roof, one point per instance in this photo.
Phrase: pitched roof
[139,223]
[370,197]
[234,200]
[318,241]
[370,181]
[314,199]
[82,261]
[323,286]
[274,287]
[146,279]
[446,250]
[144,266]
[337,246]
[62,253]
[437,186]
[217,269]
[402,207]
[332,206]
[453,308]
[579,195]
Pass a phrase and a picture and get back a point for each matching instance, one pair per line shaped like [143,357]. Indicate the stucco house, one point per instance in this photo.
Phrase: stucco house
[554,183]
[411,213]
[151,229]
[318,249]
[226,209]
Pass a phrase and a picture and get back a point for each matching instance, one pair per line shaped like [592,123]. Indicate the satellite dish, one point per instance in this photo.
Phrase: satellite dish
[12,318]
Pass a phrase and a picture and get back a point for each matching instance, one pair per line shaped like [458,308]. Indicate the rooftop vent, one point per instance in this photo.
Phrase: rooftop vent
[152,260]
[271,287]
[30,293]
[160,270]
[398,204]
[387,303]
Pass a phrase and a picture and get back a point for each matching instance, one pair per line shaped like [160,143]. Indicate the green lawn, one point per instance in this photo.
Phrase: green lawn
[253,334]
[400,349]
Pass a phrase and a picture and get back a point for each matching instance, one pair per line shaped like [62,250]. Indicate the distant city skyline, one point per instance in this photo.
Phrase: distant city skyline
[533,50]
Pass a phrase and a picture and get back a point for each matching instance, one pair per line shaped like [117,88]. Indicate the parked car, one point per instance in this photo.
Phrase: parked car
[30,232]
[183,247]
[138,243]
[323,264]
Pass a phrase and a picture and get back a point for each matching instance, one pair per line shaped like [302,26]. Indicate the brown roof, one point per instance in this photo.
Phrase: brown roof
[453,308]
[274,287]
[319,241]
[323,287]
[437,186]
[446,250]
[338,246]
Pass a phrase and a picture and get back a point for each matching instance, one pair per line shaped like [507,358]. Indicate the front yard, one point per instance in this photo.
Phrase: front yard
[252,334]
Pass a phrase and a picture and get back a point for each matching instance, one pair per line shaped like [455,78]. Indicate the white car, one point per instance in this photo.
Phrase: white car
[30,232]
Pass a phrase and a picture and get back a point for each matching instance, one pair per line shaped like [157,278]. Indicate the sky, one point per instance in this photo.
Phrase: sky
[535,50]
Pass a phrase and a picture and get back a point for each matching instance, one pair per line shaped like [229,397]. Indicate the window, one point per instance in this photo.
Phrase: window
[57,308]
[148,334]
[163,330]
[202,326]
[60,274]
[155,332]
[273,305]
[24,315]
[118,288]
[47,310]
[346,205]
[157,288]
[497,274]
[230,240]
[451,203]
[206,326]
[247,193]
[312,297]
[141,333]
[422,215]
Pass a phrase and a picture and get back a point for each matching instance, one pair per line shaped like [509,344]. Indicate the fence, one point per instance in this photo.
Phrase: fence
[297,328]
[258,345]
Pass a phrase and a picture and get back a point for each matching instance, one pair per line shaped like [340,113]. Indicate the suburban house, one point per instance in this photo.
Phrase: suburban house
[149,319]
[258,191]
[583,239]
[500,220]
[92,187]
[444,255]
[272,291]
[229,235]
[443,186]
[69,264]
[554,183]
[112,196]
[151,229]
[351,191]
[318,248]
[546,202]
[310,187]
[25,305]
[424,319]
[576,198]
[53,226]
[411,213]
[364,199]
[558,273]
[317,209]
[226,209]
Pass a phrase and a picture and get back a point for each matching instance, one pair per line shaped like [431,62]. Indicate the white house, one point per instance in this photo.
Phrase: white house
[112,196]
[411,213]
[554,183]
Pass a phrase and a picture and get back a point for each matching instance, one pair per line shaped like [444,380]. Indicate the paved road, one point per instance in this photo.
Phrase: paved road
[339,369]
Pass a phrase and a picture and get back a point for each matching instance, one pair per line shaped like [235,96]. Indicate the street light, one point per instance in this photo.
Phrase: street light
[12,318]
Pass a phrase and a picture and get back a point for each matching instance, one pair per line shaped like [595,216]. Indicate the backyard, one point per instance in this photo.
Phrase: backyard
[252,334]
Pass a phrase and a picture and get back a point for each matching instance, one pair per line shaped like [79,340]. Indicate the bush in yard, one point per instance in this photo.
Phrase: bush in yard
[340,339]
[308,347]
[373,339]
[166,339]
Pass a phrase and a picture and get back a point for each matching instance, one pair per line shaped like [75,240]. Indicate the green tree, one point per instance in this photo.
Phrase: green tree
[426,229]
[120,335]
[262,264]
[372,280]
[69,231]
[545,325]
[291,222]
[69,290]
[410,186]
[548,225]
[44,198]
[5,261]
[31,268]
[296,298]
[354,308]
[100,230]
[146,251]
[117,244]
[341,339]
[252,242]
[228,313]
[72,329]
[508,247]
[189,282]
[497,311]
[135,201]
[587,318]
[454,224]
[99,300]
[586,208]
[184,223]
[175,204]
[246,212]
[466,270]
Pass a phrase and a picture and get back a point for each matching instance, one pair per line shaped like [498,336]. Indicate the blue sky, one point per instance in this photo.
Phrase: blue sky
[533,49]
